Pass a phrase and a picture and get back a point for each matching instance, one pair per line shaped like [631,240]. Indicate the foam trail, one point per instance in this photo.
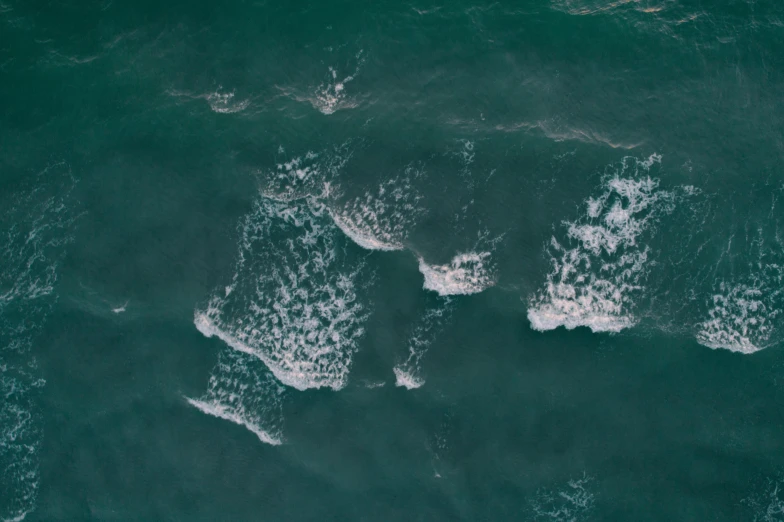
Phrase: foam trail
[381,220]
[465,274]
[408,374]
[36,226]
[242,391]
[293,300]
[600,266]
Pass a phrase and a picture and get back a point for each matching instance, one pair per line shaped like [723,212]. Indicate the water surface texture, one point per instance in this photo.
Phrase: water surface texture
[297,261]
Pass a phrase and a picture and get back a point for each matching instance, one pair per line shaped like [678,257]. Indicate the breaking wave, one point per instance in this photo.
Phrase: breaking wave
[740,320]
[406,379]
[241,390]
[465,274]
[330,95]
[408,374]
[381,220]
[746,309]
[293,299]
[600,266]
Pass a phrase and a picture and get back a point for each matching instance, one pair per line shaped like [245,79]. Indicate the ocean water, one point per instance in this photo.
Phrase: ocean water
[392,261]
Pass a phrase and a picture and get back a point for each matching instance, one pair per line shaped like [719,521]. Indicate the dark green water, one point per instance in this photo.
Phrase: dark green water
[392,261]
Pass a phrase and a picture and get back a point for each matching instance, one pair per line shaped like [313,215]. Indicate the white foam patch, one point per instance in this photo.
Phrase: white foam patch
[330,96]
[36,226]
[293,299]
[406,380]
[409,372]
[466,274]
[381,220]
[600,266]
[571,503]
[243,393]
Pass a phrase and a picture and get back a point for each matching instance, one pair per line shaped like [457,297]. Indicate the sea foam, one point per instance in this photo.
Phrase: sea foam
[600,266]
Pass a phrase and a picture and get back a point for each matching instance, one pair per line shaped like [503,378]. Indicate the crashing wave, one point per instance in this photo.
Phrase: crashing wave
[365,233]
[408,374]
[330,96]
[406,380]
[241,392]
[465,274]
[293,299]
[381,220]
[600,266]
[741,319]
[744,311]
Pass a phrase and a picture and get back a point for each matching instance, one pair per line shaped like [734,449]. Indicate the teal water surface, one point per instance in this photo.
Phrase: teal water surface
[392,261]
